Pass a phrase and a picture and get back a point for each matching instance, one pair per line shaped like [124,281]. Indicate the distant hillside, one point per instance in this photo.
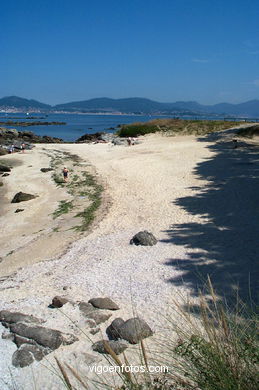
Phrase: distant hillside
[129,105]
[248,109]
[21,103]
[146,106]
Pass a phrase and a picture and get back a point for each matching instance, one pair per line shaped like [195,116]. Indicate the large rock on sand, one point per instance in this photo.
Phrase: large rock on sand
[4,168]
[104,303]
[9,317]
[22,197]
[143,238]
[26,353]
[132,330]
[46,337]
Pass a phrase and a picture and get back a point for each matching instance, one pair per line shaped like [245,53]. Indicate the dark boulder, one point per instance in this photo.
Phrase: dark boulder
[113,330]
[117,346]
[6,174]
[22,358]
[134,330]
[143,238]
[46,169]
[19,210]
[58,302]
[4,168]
[27,353]
[22,197]
[104,303]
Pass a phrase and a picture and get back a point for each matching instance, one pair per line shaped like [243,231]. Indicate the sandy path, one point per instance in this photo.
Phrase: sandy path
[143,181]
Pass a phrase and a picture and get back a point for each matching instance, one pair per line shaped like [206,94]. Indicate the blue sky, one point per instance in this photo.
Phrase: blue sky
[58,51]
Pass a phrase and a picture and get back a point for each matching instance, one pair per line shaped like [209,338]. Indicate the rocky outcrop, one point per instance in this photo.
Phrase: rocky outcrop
[144,238]
[90,137]
[9,137]
[22,197]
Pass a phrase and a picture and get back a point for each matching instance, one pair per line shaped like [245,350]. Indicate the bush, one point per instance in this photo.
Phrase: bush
[136,129]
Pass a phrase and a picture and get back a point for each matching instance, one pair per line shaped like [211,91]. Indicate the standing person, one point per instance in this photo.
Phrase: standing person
[129,141]
[65,174]
[23,147]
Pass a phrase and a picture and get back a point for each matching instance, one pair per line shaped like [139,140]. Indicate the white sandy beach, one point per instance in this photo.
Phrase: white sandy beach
[142,184]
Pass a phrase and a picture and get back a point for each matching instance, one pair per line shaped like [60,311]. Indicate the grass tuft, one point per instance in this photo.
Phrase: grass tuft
[63,208]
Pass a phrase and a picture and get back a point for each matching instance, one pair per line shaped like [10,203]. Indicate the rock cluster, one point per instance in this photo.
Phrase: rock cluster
[9,137]
[104,137]
[34,341]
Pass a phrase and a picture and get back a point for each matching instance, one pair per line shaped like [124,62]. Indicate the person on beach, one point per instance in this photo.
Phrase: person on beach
[23,147]
[129,141]
[65,174]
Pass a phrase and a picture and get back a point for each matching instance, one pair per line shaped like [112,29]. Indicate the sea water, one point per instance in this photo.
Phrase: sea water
[78,124]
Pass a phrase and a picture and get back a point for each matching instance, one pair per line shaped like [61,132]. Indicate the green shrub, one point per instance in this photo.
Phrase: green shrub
[136,129]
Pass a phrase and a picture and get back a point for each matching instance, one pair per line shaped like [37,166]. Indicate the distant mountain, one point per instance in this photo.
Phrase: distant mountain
[248,109]
[129,105]
[21,103]
[147,106]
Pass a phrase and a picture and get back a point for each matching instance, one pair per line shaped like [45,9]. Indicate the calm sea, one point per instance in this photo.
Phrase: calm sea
[76,124]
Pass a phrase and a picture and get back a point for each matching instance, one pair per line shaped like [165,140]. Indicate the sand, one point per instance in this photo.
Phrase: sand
[142,185]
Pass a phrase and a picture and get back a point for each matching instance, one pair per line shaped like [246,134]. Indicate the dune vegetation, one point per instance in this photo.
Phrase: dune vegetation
[175,126]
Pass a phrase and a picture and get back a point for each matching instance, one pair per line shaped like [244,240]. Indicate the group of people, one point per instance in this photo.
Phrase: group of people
[11,148]
[131,141]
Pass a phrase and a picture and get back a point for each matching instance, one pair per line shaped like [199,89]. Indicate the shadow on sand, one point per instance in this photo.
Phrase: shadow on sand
[225,246]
